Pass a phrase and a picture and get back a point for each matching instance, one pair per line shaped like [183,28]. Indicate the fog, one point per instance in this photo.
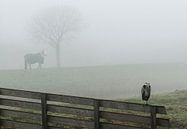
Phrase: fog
[80,64]
[114,32]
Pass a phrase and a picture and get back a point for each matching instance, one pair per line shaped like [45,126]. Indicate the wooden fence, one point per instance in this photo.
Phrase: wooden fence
[33,110]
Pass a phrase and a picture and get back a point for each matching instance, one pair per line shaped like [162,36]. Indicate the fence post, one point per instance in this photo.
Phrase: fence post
[0,112]
[96,114]
[153,117]
[44,110]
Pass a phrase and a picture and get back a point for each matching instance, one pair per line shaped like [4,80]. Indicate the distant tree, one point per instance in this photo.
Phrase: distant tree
[54,25]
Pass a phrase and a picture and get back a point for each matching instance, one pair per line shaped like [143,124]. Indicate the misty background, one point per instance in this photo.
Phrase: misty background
[114,32]
[130,42]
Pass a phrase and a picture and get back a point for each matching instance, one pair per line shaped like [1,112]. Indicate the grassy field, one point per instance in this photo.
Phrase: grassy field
[176,104]
[110,82]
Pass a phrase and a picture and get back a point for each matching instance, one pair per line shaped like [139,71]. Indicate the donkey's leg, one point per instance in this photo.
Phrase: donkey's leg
[25,66]
[39,65]
[25,62]
[30,66]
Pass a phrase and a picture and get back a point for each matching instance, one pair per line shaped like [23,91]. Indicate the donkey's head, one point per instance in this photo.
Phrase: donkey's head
[43,53]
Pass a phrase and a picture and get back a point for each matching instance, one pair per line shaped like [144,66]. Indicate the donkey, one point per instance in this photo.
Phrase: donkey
[34,58]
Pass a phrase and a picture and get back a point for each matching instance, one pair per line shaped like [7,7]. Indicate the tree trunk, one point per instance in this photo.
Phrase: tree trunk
[58,55]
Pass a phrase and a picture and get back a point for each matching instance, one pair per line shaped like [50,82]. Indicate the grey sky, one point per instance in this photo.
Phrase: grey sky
[115,32]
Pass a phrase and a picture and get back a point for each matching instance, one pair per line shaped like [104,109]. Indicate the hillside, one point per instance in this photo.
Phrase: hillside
[176,104]
[110,82]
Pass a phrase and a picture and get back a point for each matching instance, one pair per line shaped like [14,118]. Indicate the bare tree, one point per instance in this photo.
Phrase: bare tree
[54,25]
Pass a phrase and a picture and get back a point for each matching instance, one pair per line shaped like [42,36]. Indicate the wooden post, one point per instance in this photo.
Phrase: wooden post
[153,118]
[0,112]
[96,114]
[44,111]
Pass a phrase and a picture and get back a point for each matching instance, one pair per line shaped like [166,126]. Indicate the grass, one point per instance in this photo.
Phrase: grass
[176,105]
[110,82]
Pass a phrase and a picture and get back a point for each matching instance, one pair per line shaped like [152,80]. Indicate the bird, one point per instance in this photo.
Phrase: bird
[146,92]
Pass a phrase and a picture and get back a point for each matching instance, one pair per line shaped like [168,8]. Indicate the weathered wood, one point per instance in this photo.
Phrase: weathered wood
[74,99]
[113,126]
[20,104]
[70,110]
[62,121]
[163,122]
[57,127]
[130,106]
[44,111]
[96,114]
[70,99]
[133,118]
[21,116]
[125,117]
[153,118]
[59,111]
[19,93]
[125,106]
[161,110]
[7,124]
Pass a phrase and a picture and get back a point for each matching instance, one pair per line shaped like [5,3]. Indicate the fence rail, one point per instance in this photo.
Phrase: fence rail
[34,110]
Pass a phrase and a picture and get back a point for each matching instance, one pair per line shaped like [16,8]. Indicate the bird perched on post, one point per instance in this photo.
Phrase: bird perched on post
[146,92]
